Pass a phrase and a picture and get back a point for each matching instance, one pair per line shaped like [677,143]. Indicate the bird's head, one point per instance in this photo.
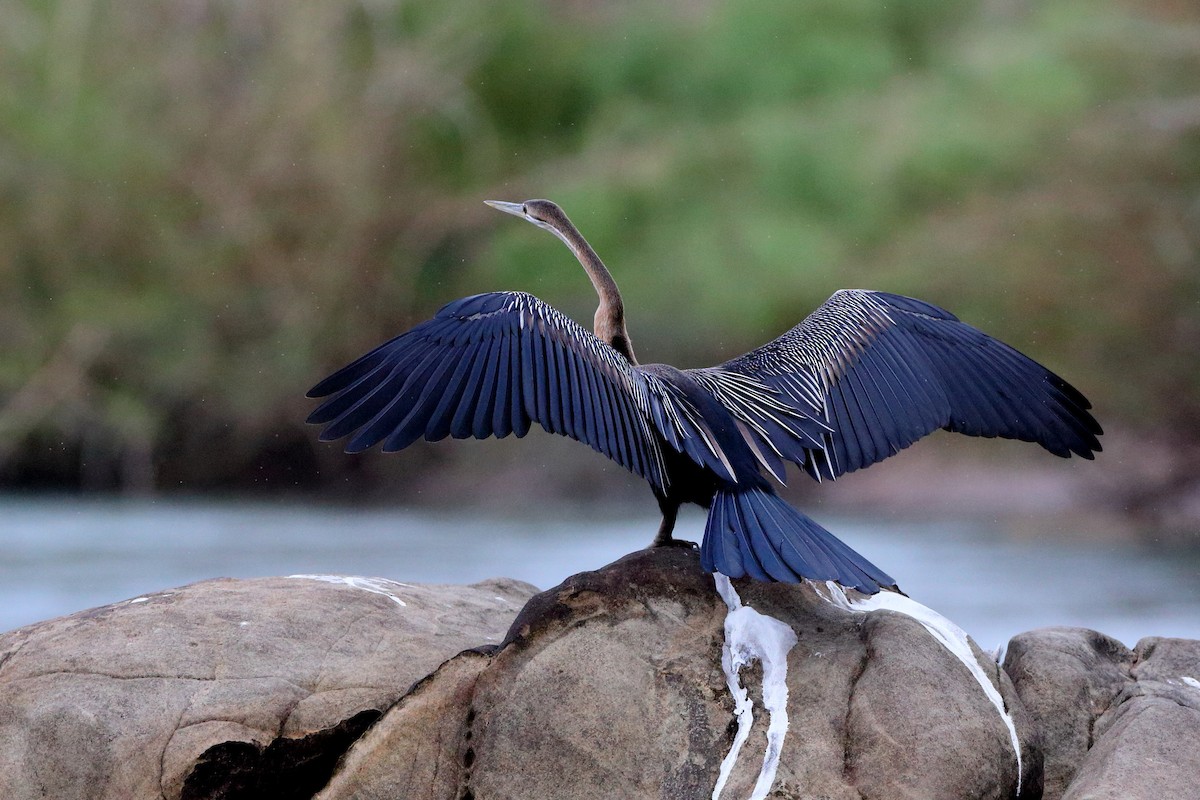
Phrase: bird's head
[609,322]
[542,213]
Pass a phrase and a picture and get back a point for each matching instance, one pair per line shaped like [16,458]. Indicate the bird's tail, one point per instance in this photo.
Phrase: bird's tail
[752,531]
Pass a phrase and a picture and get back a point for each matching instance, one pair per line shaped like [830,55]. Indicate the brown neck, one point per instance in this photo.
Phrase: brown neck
[609,322]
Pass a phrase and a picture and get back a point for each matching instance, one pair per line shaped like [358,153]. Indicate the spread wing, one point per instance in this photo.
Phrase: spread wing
[490,365]
[882,370]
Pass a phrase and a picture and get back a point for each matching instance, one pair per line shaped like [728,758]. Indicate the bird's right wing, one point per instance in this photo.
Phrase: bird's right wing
[491,364]
[882,370]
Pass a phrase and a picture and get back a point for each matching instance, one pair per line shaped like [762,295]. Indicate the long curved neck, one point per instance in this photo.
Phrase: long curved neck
[609,322]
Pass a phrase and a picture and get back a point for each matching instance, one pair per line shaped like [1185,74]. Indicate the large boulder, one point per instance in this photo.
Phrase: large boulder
[611,685]
[233,686]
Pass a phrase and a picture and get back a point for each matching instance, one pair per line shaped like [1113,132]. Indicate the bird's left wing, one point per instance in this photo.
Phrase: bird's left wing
[882,370]
[491,364]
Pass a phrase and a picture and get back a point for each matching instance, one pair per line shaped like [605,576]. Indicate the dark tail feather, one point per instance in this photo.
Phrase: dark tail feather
[752,531]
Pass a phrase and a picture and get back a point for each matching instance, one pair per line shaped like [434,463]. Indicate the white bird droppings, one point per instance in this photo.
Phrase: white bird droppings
[146,598]
[375,585]
[1192,682]
[945,632]
[751,636]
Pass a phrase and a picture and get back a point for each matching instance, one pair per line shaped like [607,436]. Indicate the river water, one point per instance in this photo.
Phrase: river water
[59,555]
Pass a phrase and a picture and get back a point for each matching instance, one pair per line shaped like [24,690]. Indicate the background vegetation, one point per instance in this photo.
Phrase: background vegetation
[206,205]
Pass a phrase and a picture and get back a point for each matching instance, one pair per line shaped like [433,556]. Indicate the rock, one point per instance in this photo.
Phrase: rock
[879,708]
[919,726]
[1115,723]
[615,672]
[606,686]
[610,685]
[214,688]
[421,749]
[1148,744]
[1066,678]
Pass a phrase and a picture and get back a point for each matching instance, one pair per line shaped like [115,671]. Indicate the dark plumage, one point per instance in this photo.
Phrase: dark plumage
[864,376]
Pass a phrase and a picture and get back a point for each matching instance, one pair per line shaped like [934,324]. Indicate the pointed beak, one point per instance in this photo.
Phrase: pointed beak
[516,209]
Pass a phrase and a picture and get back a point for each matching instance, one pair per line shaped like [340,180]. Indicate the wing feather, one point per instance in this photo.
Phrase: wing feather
[882,370]
[493,364]
[477,393]
[454,394]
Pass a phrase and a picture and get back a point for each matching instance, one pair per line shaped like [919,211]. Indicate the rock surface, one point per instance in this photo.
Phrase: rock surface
[215,686]
[609,685]
[1066,678]
[1118,724]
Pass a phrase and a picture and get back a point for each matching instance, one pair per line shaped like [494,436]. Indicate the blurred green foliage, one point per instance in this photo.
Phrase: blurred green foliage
[205,205]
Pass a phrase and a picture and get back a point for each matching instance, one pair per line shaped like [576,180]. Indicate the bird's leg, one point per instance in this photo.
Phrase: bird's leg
[664,538]
[670,512]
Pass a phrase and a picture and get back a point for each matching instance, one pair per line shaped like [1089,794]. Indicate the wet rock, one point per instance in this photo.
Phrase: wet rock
[225,687]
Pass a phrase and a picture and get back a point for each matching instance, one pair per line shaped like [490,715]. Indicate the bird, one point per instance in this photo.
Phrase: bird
[861,378]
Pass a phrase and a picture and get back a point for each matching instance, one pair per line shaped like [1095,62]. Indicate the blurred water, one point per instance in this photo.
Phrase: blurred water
[63,555]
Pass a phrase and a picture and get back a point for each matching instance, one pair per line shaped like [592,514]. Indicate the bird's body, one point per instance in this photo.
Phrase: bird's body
[861,378]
